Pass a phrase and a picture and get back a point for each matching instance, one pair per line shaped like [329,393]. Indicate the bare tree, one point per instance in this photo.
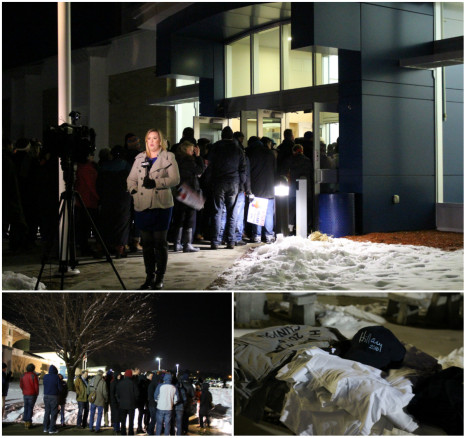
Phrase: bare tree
[74,324]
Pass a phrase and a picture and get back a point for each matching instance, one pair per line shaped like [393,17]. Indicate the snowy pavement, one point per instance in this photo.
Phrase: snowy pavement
[221,415]
[295,263]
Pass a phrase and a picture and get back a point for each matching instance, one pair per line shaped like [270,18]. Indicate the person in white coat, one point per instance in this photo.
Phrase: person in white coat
[166,395]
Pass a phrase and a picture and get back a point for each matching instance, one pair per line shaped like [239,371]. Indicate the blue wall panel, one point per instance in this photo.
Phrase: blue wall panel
[398,136]
[416,211]
[388,35]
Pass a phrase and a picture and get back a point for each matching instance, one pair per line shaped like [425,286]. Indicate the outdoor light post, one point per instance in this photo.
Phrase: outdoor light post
[159,359]
[177,368]
[301,207]
[282,191]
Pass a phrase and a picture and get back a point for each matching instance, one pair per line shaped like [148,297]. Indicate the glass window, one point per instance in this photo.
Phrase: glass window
[297,64]
[267,61]
[238,68]
[326,66]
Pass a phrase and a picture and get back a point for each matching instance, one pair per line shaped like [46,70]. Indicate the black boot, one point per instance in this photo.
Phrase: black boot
[150,278]
[157,284]
[177,244]
[187,239]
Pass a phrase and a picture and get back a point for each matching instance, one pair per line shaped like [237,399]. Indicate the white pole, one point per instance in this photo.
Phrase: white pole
[301,208]
[64,98]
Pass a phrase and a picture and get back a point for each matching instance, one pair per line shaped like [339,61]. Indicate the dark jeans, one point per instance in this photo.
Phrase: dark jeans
[164,419]
[130,414]
[179,421]
[51,411]
[239,214]
[29,402]
[153,414]
[224,194]
[155,251]
[204,413]
[62,414]
[268,225]
[100,411]
[83,413]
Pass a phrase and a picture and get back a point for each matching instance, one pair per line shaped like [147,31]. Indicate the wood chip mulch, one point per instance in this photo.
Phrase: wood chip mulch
[446,241]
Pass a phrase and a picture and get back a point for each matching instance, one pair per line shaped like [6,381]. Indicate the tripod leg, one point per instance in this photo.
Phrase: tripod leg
[99,238]
[47,252]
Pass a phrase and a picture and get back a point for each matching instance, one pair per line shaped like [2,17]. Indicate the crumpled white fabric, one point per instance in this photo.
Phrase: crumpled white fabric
[258,353]
[334,396]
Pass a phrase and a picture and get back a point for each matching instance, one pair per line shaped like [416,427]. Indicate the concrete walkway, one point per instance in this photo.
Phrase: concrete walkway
[185,271]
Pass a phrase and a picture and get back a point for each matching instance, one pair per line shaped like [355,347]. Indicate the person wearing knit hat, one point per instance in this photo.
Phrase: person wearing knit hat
[127,392]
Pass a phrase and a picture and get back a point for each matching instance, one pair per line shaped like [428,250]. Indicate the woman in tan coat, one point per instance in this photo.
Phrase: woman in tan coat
[152,176]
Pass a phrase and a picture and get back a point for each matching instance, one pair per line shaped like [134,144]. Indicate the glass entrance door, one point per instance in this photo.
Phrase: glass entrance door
[262,123]
[209,127]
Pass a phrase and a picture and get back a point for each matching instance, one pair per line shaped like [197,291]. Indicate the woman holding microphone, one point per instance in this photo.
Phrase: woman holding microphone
[152,176]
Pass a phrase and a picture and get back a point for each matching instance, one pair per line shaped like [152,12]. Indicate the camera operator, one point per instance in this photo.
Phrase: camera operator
[152,176]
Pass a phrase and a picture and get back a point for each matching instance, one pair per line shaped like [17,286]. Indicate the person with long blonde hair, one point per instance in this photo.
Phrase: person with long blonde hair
[152,176]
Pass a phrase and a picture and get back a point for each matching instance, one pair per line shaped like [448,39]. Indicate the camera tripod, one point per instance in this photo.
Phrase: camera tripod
[67,251]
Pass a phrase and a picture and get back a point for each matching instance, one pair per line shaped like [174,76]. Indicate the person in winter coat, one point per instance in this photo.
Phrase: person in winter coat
[295,167]
[263,170]
[166,397]
[80,386]
[189,403]
[114,405]
[98,385]
[62,399]
[153,382]
[127,393]
[191,167]
[153,174]
[29,384]
[227,170]
[115,202]
[141,404]
[52,390]
[6,377]
[205,405]
[86,178]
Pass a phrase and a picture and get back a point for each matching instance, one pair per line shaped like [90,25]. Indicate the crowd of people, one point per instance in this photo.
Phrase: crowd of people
[142,197]
[164,402]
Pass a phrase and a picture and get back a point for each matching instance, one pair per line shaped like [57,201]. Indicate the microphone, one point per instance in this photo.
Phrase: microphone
[146,165]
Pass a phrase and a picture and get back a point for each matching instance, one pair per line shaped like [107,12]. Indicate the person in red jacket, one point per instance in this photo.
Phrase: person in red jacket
[86,179]
[29,384]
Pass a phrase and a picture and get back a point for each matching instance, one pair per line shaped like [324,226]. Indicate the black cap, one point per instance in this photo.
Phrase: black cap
[376,346]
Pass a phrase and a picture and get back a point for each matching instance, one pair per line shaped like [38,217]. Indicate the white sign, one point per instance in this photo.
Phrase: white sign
[257,211]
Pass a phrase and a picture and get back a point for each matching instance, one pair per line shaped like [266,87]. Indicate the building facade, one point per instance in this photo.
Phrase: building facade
[366,74]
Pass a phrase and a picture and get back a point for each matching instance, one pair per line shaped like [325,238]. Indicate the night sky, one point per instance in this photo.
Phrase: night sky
[29,30]
[192,329]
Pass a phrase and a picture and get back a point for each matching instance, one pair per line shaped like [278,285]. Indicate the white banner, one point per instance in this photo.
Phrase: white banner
[190,197]
[257,211]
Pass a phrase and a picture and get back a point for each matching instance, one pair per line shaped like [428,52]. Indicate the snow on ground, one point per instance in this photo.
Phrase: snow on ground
[295,263]
[221,416]
[14,281]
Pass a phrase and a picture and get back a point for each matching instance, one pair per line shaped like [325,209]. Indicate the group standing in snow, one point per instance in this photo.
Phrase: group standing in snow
[164,402]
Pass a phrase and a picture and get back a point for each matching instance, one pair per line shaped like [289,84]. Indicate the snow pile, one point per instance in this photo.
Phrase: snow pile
[222,414]
[14,281]
[294,263]
[454,359]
